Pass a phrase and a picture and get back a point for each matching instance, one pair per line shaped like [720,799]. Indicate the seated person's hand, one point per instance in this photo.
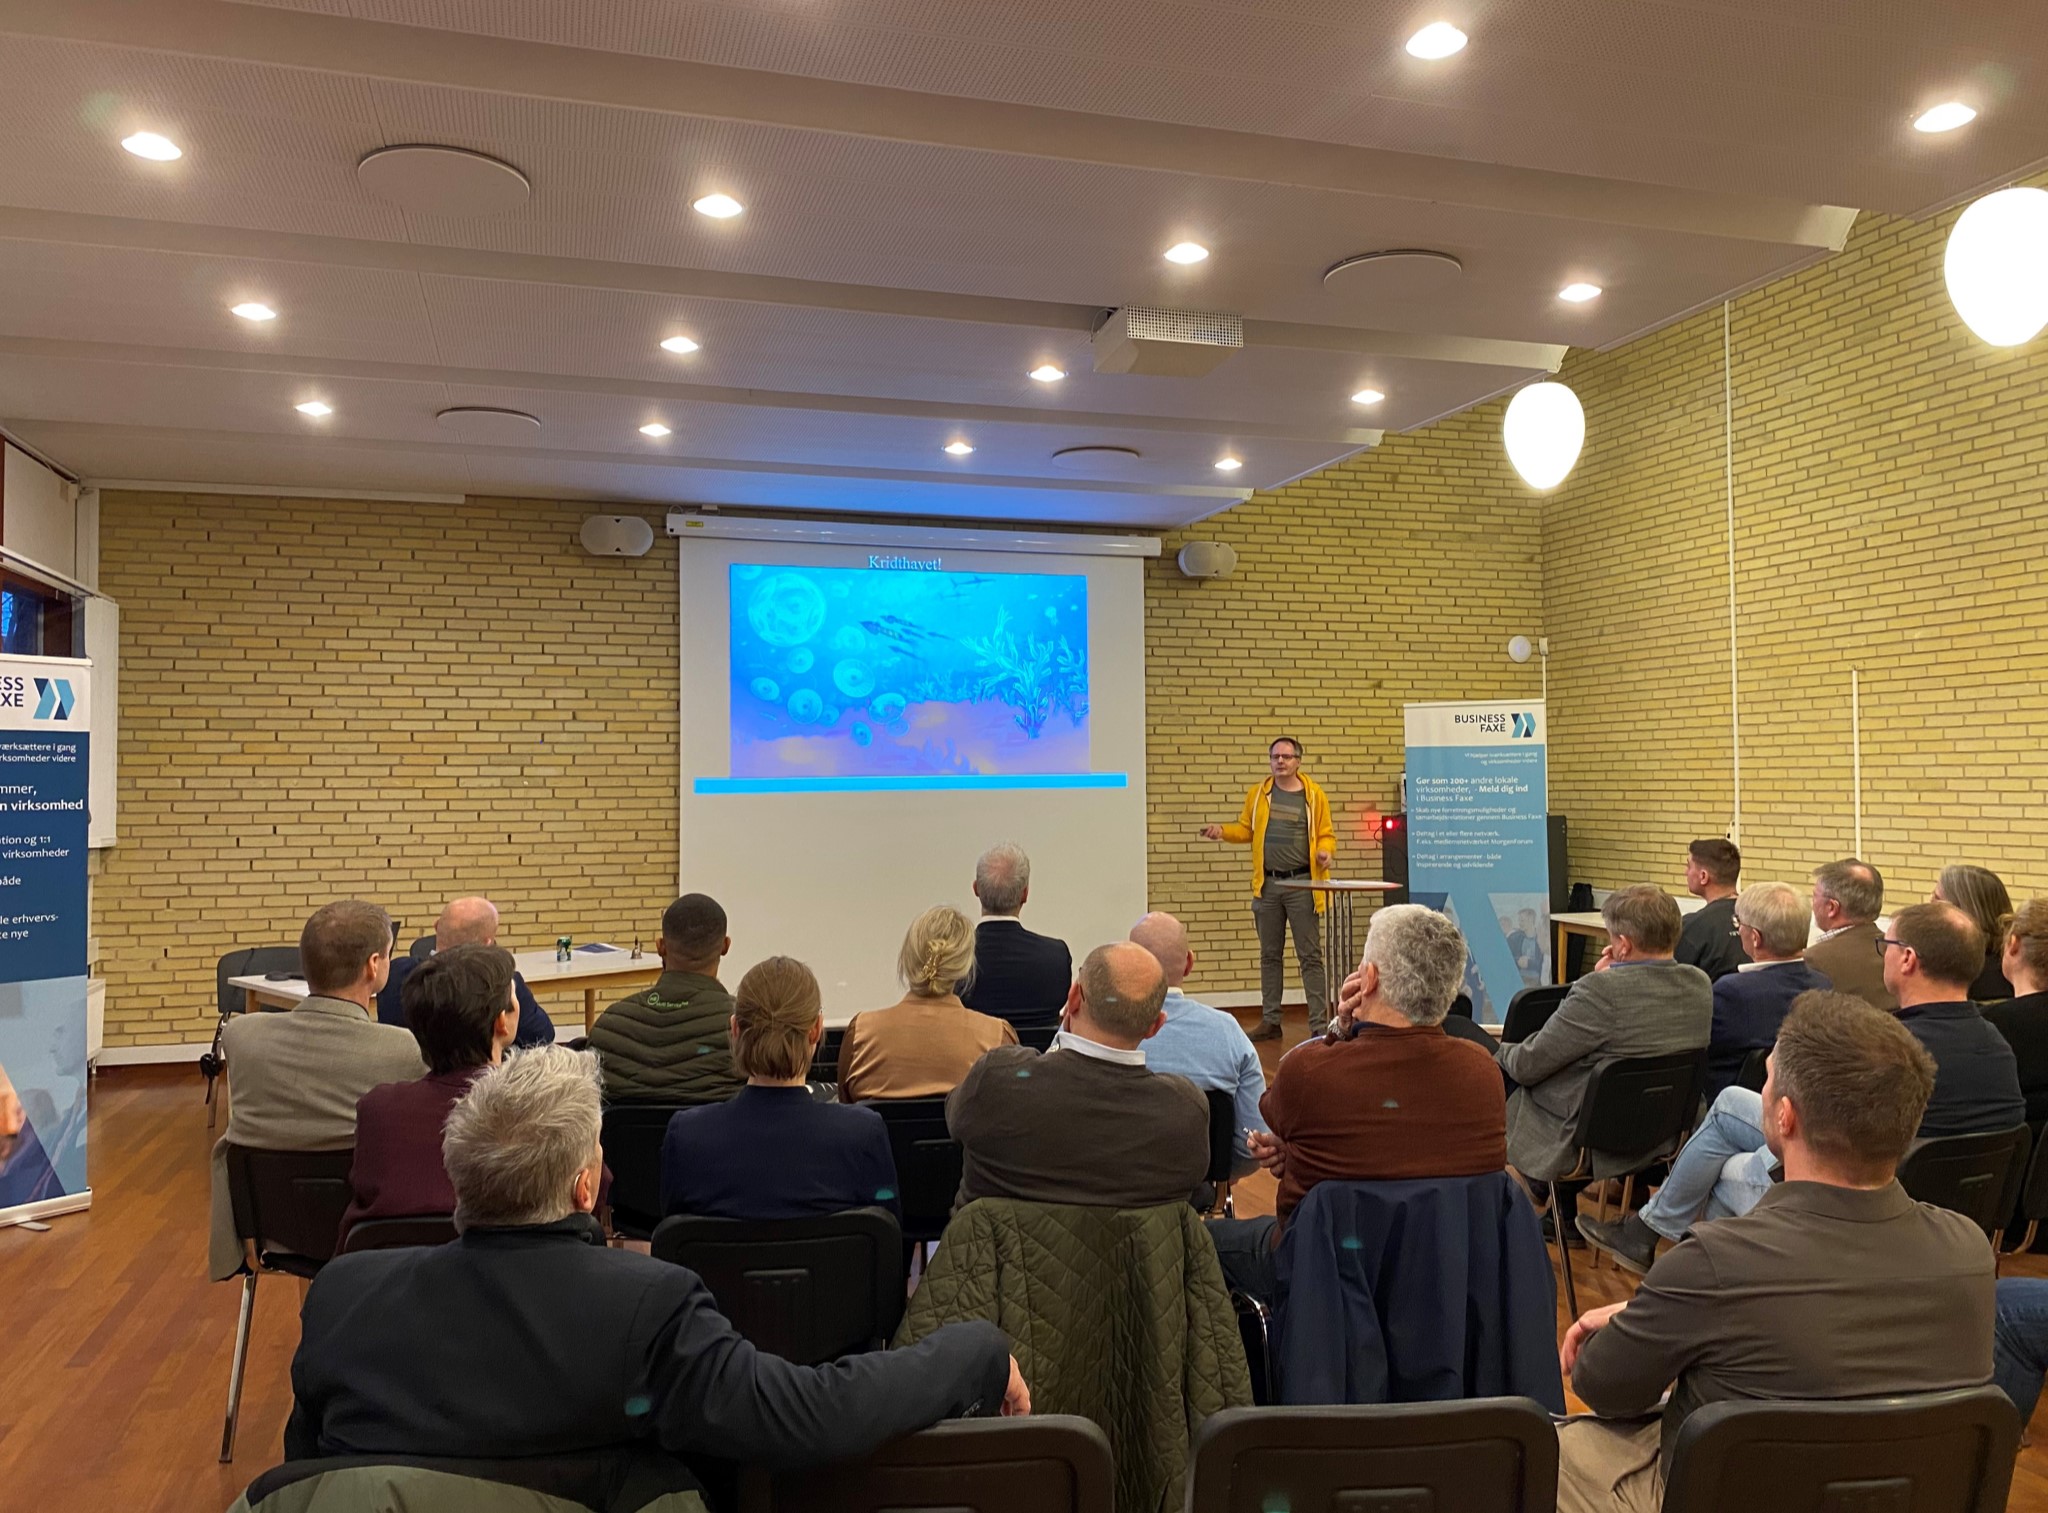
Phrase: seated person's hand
[1267,1150]
[1587,1325]
[1016,1396]
[1606,960]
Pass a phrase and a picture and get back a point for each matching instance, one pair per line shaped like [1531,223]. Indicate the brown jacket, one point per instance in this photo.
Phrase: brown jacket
[1850,960]
[919,1049]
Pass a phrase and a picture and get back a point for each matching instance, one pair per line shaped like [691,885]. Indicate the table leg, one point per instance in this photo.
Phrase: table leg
[249,1004]
[1556,952]
[589,1010]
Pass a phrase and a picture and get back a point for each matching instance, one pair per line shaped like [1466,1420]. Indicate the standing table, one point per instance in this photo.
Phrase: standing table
[1340,940]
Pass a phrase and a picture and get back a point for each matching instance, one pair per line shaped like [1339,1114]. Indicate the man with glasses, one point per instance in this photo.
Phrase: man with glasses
[1930,957]
[1286,822]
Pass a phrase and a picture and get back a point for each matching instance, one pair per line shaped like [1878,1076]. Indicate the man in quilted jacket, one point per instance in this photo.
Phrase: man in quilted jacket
[670,1043]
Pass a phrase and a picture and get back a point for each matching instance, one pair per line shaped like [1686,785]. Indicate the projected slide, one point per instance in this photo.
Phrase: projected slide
[901,673]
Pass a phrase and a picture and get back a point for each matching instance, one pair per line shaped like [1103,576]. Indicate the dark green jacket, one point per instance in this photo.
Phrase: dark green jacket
[1119,1315]
[669,1043]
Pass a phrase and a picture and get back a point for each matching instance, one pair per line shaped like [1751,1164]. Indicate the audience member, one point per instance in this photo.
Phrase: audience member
[1838,1285]
[668,1043]
[469,921]
[1979,893]
[1751,1002]
[924,1045]
[1018,975]
[1204,1045]
[639,1353]
[1391,1097]
[772,1151]
[2019,1342]
[1848,896]
[2023,1019]
[294,1078]
[1087,1122]
[1708,939]
[1725,1167]
[1637,1001]
[463,1012]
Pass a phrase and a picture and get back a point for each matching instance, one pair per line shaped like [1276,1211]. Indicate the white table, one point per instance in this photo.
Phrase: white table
[612,968]
[1590,924]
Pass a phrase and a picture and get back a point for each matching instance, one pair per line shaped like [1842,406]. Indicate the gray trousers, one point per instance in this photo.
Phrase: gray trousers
[1274,913]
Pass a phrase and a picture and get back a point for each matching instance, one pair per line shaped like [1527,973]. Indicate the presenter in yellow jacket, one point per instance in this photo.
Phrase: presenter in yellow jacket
[1286,822]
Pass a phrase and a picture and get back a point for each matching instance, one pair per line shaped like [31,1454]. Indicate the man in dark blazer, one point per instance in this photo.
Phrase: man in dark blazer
[1752,1001]
[1713,868]
[1018,975]
[470,1349]
[471,921]
[1848,896]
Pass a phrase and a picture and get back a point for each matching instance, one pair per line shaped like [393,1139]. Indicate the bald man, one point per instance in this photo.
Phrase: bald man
[471,920]
[1204,1045]
[1088,1122]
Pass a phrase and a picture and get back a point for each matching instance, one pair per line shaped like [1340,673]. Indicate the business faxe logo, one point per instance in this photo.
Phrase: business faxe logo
[1525,728]
[56,700]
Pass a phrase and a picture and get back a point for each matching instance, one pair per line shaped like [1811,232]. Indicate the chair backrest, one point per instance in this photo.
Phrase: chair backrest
[927,1162]
[1481,1455]
[1971,1174]
[1222,1134]
[1938,1452]
[249,961]
[825,1060]
[1461,1006]
[1047,1463]
[808,1290]
[393,1234]
[1755,1068]
[1038,1037]
[421,948]
[290,1203]
[623,1479]
[1529,1010]
[2033,1199]
[1639,1105]
[632,1136]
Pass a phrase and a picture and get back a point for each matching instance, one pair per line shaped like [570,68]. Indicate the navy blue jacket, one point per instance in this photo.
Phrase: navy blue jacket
[776,1153]
[535,1028]
[1409,1292]
[1748,1008]
[1976,1078]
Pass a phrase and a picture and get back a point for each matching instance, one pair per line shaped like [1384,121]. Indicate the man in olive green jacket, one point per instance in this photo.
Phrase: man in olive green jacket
[671,1043]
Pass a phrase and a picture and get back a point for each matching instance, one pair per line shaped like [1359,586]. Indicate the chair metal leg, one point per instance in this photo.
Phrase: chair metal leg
[227,1433]
[1564,1255]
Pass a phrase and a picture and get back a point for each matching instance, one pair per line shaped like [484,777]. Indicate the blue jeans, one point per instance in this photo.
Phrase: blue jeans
[2019,1342]
[1723,1170]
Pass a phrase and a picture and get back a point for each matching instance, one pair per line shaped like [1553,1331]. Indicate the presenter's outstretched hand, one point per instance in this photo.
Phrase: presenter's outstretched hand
[1212,832]
[1016,1396]
[1267,1150]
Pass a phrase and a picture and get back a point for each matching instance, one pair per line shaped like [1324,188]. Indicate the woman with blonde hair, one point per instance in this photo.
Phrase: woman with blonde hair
[924,1045]
[772,1151]
[1980,893]
[2023,1020]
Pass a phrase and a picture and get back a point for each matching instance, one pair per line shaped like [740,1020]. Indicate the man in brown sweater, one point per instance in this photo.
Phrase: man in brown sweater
[1086,1122]
[1393,1097]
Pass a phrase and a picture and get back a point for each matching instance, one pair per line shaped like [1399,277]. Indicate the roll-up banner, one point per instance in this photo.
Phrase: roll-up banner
[43,746]
[1478,842]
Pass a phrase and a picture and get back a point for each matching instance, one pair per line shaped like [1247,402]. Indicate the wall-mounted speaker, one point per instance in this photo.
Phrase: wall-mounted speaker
[1207,559]
[616,536]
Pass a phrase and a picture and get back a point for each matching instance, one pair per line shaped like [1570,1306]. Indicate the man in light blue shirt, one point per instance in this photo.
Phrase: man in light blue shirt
[1204,1045]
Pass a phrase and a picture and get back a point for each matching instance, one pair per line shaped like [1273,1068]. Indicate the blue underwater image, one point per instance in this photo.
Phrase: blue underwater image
[866,672]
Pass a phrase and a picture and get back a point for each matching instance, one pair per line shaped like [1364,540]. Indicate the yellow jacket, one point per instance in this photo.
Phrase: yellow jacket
[1251,826]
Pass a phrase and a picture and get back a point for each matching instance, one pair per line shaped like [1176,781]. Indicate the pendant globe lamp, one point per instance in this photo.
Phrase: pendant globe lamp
[1997,266]
[1544,429]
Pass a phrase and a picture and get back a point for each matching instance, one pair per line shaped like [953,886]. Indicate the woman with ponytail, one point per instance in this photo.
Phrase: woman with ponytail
[773,1151]
[924,1045]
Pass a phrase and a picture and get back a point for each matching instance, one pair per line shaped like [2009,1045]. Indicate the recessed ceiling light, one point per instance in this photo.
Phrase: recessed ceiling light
[679,344]
[1439,39]
[1186,252]
[147,144]
[719,207]
[253,311]
[1578,294]
[315,408]
[958,449]
[1227,464]
[1946,116]
[1046,373]
[1367,397]
[655,429]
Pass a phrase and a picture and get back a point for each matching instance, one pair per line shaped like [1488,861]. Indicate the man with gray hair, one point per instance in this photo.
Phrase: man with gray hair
[1387,1095]
[471,920]
[1204,1045]
[1848,896]
[467,1349]
[1771,921]
[1088,1122]
[1019,975]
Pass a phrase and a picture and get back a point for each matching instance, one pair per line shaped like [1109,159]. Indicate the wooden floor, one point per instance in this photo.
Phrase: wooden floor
[114,1348]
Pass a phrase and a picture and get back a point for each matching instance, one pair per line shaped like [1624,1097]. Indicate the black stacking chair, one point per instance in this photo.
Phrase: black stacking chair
[1638,1108]
[2032,1206]
[422,948]
[927,1163]
[247,961]
[1047,1463]
[1038,1036]
[1529,1010]
[1977,1176]
[808,1290]
[288,1205]
[395,1234]
[1222,1148]
[1937,1452]
[632,1136]
[1755,1068]
[825,1060]
[1482,1455]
